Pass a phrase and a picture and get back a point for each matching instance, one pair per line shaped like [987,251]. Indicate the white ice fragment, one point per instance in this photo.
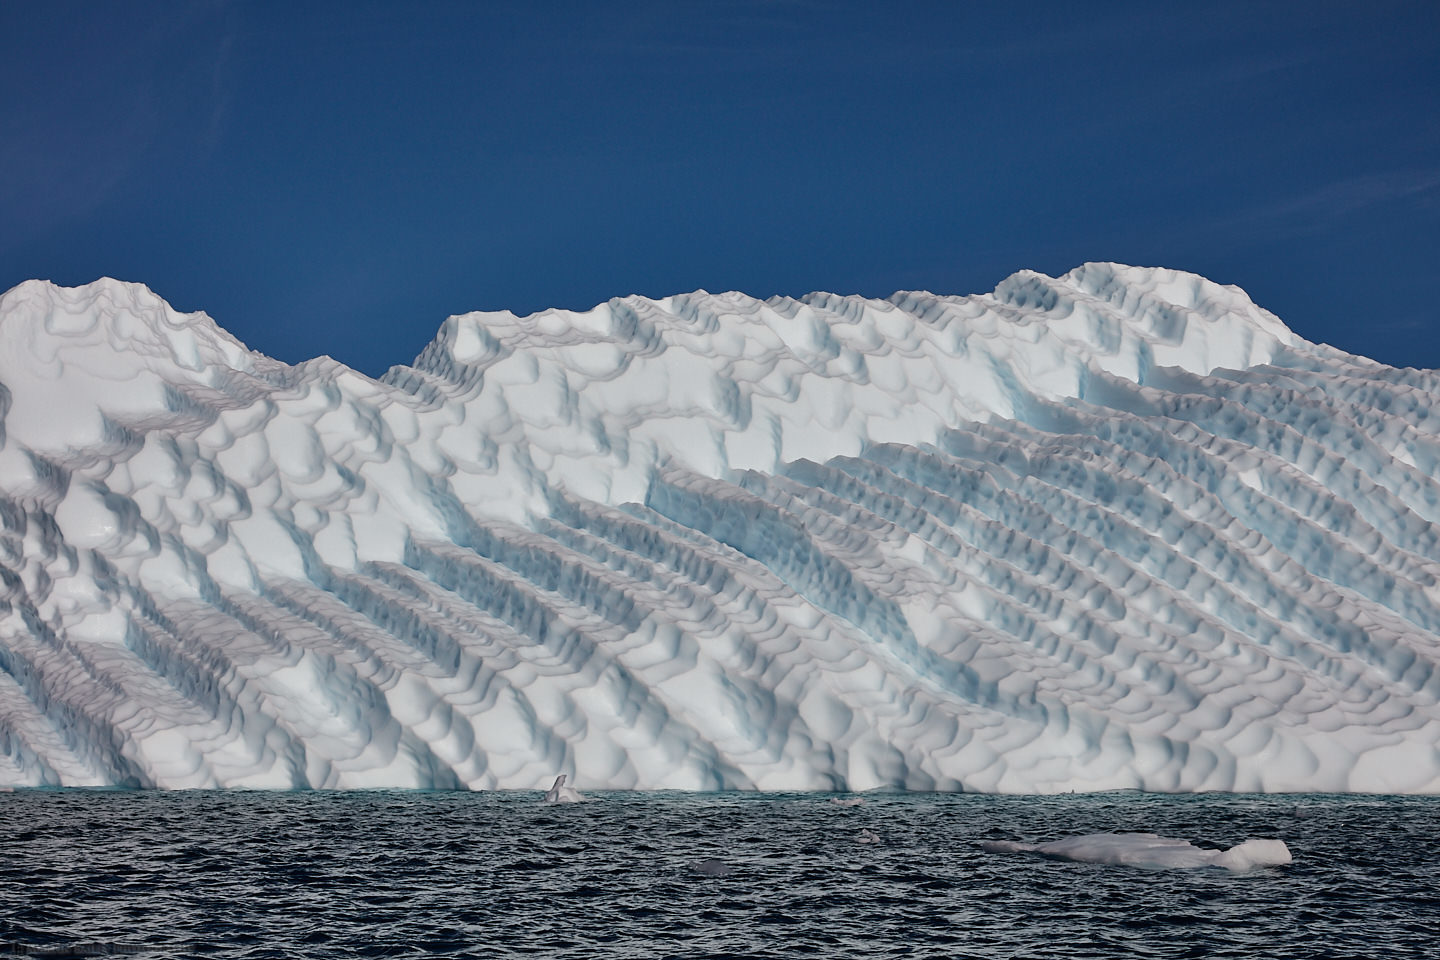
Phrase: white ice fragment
[1151,851]
[560,793]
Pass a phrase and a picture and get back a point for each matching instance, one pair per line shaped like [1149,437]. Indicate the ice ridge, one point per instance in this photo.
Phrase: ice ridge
[1116,529]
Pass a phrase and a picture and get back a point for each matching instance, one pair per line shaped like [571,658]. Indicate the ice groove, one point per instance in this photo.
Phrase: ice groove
[1115,529]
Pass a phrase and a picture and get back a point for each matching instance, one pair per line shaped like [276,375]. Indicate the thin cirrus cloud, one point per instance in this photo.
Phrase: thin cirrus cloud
[98,98]
[65,163]
[1330,205]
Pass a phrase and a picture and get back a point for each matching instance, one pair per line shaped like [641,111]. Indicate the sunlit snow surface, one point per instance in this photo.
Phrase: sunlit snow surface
[1119,529]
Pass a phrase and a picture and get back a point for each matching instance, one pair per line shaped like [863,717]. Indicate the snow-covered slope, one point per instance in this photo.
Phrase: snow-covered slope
[1116,529]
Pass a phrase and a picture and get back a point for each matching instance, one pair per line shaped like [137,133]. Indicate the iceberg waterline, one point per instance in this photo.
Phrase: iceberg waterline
[1119,529]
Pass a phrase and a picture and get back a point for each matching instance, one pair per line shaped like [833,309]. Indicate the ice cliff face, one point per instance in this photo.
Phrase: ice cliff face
[1116,529]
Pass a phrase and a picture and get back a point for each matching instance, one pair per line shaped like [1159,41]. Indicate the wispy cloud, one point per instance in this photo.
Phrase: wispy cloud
[222,85]
[83,122]
[71,152]
[1325,207]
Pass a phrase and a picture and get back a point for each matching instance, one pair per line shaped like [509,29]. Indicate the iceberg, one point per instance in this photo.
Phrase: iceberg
[1120,529]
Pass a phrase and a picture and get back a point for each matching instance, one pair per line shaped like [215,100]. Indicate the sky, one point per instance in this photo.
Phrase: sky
[339,177]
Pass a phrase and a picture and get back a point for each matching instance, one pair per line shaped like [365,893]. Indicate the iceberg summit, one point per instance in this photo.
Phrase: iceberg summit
[1119,529]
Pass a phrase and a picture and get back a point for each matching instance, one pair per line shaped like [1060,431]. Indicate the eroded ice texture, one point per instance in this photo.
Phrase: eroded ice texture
[1116,529]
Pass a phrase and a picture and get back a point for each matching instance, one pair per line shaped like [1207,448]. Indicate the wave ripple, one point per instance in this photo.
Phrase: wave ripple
[248,875]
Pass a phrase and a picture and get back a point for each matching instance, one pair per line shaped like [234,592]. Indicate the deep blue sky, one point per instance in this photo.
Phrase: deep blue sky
[338,177]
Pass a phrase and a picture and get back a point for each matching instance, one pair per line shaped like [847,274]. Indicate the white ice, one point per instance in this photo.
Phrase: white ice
[1116,529]
[560,793]
[1151,851]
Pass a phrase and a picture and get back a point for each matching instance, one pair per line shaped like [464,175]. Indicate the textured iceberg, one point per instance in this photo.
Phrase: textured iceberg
[1120,529]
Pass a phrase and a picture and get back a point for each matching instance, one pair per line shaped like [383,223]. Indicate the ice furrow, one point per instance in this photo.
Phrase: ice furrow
[1115,529]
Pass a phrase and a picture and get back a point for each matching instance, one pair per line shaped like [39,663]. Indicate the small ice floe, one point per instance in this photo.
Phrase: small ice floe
[867,836]
[713,868]
[560,793]
[847,801]
[1152,851]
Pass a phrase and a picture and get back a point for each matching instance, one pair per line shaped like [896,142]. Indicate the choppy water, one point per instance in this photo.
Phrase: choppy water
[252,875]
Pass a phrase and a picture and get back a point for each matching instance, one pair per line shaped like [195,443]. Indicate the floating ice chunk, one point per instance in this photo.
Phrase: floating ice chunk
[1151,851]
[1256,852]
[847,801]
[559,793]
[867,836]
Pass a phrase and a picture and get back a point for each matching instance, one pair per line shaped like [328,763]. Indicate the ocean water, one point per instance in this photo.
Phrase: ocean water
[400,874]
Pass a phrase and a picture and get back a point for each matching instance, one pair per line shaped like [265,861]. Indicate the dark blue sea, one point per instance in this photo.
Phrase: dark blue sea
[400,874]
